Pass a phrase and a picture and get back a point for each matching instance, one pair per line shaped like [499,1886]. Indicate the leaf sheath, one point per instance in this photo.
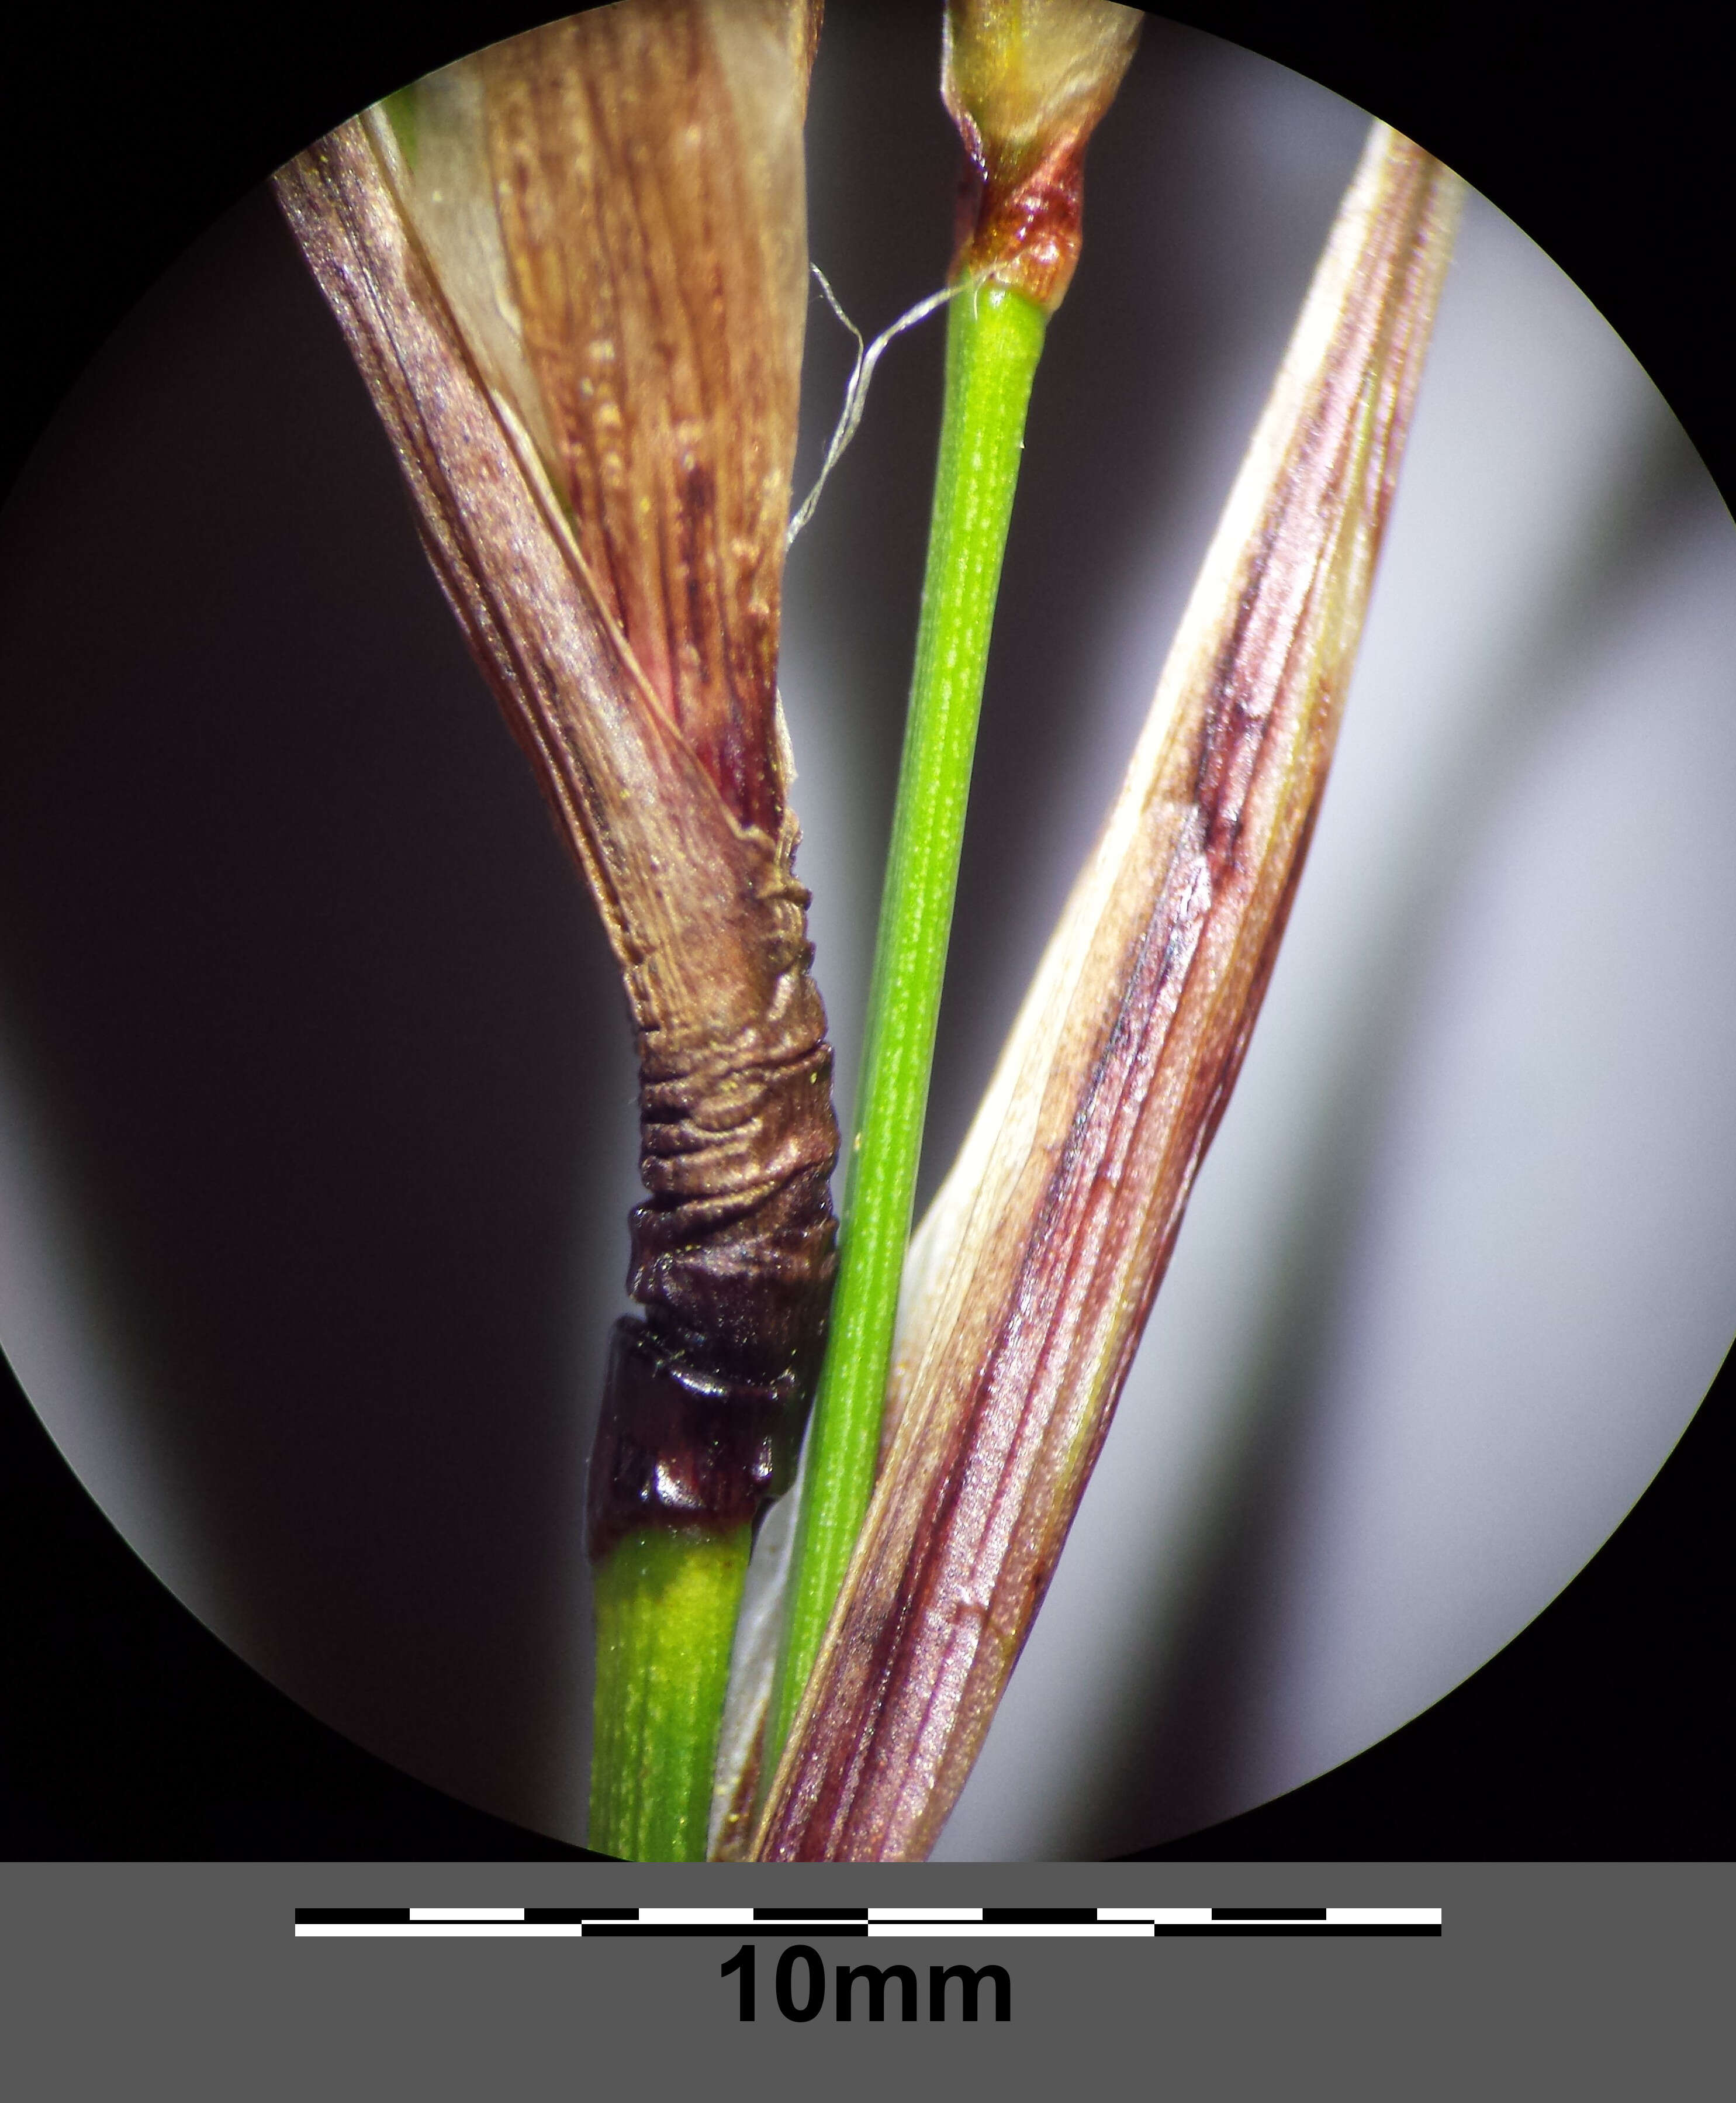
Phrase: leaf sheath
[602,482]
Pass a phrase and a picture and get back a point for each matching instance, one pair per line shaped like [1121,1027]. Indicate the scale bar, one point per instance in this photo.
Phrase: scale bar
[815,1923]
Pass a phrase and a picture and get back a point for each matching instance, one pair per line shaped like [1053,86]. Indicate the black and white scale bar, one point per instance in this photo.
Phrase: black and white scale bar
[971,1923]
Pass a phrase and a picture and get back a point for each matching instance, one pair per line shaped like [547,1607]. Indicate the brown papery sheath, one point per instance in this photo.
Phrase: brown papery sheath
[573,273]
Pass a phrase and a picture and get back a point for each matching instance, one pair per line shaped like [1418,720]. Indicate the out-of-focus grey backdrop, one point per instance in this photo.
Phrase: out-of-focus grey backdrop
[317,1125]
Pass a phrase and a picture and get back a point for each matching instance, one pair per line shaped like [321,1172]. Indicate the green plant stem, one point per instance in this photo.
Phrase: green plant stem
[994,338]
[666,1604]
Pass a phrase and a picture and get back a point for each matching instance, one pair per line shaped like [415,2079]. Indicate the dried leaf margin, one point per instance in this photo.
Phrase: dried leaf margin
[1030,1282]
